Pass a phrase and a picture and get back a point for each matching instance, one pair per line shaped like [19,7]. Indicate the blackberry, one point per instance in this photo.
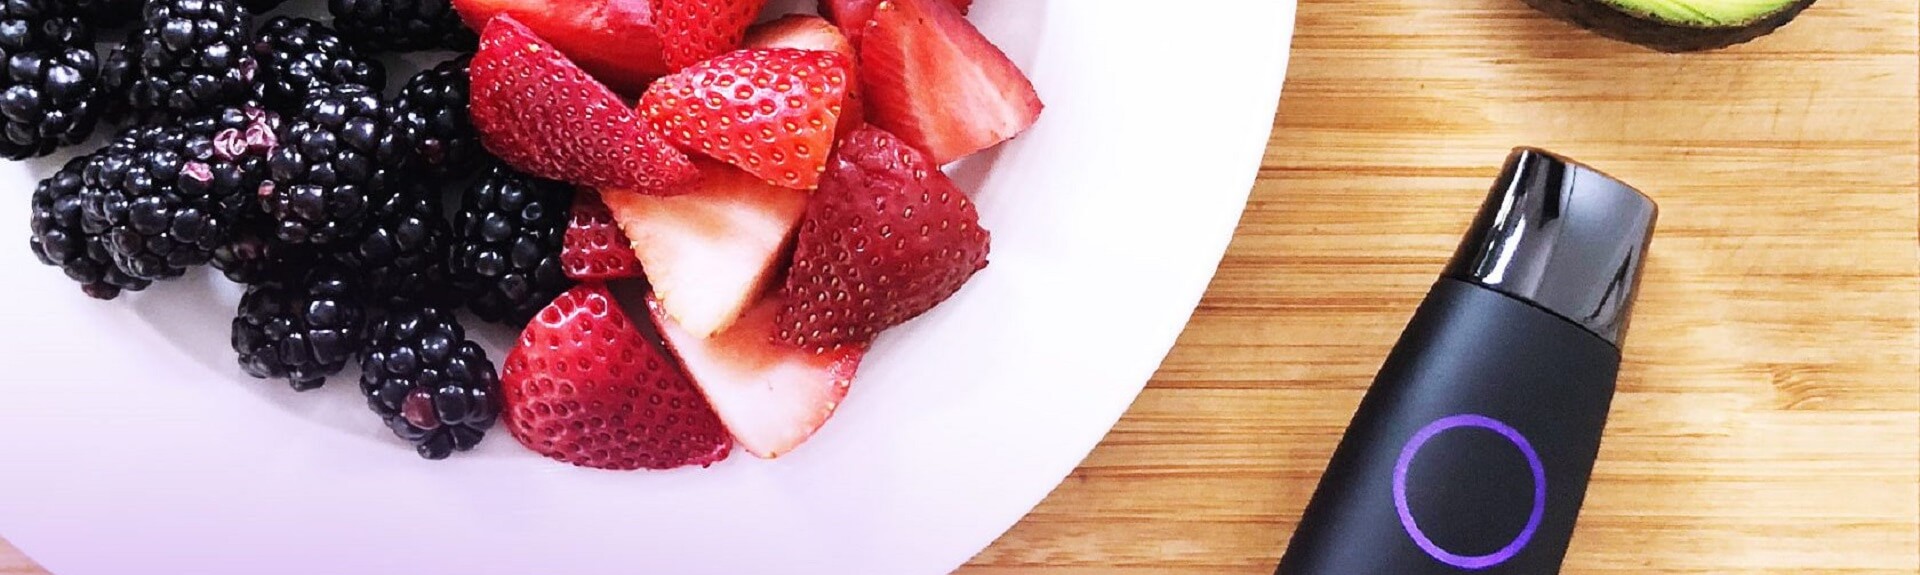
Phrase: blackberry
[165,196]
[50,95]
[433,109]
[403,256]
[303,326]
[58,239]
[186,57]
[254,255]
[337,159]
[506,251]
[297,55]
[402,25]
[105,13]
[430,384]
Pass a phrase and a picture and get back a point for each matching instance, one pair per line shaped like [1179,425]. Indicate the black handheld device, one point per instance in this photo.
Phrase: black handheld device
[1472,450]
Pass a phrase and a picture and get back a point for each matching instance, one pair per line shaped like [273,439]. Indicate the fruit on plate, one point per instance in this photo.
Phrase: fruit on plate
[543,115]
[627,43]
[807,32]
[710,252]
[431,385]
[508,235]
[886,238]
[1677,25]
[303,326]
[772,397]
[928,76]
[337,158]
[771,112]
[583,385]
[297,55]
[853,15]
[595,249]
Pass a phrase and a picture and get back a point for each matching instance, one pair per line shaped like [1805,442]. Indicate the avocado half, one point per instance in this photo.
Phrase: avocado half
[1677,25]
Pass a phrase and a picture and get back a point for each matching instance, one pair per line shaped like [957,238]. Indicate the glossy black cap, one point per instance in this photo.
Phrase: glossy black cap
[1563,236]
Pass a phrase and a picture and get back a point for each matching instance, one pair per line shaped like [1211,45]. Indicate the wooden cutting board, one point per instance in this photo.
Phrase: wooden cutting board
[1769,414]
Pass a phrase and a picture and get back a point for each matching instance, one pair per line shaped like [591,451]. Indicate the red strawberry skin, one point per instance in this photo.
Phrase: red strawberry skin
[853,15]
[595,248]
[771,112]
[807,32]
[885,238]
[584,386]
[626,43]
[928,76]
[544,116]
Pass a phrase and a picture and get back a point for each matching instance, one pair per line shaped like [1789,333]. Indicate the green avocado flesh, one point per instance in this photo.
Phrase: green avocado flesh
[1677,25]
[1703,13]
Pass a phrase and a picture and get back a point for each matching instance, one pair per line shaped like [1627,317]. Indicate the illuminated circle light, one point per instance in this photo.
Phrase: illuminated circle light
[1420,537]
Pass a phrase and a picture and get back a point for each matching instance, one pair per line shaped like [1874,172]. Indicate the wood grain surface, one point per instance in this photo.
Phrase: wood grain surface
[1769,413]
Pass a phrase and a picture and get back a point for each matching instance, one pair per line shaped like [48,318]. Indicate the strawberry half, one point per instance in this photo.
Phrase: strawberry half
[626,43]
[928,76]
[594,248]
[710,252]
[770,112]
[538,112]
[853,15]
[806,32]
[771,396]
[584,386]
[886,238]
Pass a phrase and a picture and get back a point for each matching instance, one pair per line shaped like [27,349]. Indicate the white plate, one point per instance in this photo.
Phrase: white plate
[130,444]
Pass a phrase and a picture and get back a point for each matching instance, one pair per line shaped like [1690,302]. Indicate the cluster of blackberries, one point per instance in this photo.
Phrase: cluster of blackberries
[271,154]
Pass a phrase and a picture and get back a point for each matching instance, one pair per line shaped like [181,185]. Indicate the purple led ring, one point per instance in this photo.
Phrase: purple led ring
[1420,537]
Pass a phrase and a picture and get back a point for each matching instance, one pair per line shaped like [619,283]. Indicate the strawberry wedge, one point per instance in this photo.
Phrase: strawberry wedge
[928,76]
[626,43]
[713,250]
[770,396]
[853,15]
[544,116]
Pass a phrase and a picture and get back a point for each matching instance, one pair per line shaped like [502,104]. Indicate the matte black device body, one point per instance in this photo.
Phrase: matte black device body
[1472,450]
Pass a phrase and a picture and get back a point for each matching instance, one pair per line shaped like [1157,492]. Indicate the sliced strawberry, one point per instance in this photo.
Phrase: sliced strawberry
[770,112]
[929,77]
[584,386]
[806,32]
[626,43]
[594,248]
[886,238]
[772,397]
[710,252]
[853,15]
[541,114]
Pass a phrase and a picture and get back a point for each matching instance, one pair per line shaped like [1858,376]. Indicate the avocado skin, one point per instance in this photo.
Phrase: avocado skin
[1606,20]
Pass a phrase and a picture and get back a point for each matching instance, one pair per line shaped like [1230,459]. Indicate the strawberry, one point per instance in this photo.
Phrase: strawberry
[853,15]
[594,248]
[541,114]
[626,43]
[772,397]
[886,238]
[771,112]
[584,386]
[929,77]
[812,33]
[710,252]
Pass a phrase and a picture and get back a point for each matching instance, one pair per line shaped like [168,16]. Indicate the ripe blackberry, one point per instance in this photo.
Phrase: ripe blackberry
[402,258]
[429,383]
[186,57]
[297,55]
[254,255]
[433,109]
[165,196]
[337,159]
[402,25]
[58,239]
[506,251]
[303,326]
[50,94]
